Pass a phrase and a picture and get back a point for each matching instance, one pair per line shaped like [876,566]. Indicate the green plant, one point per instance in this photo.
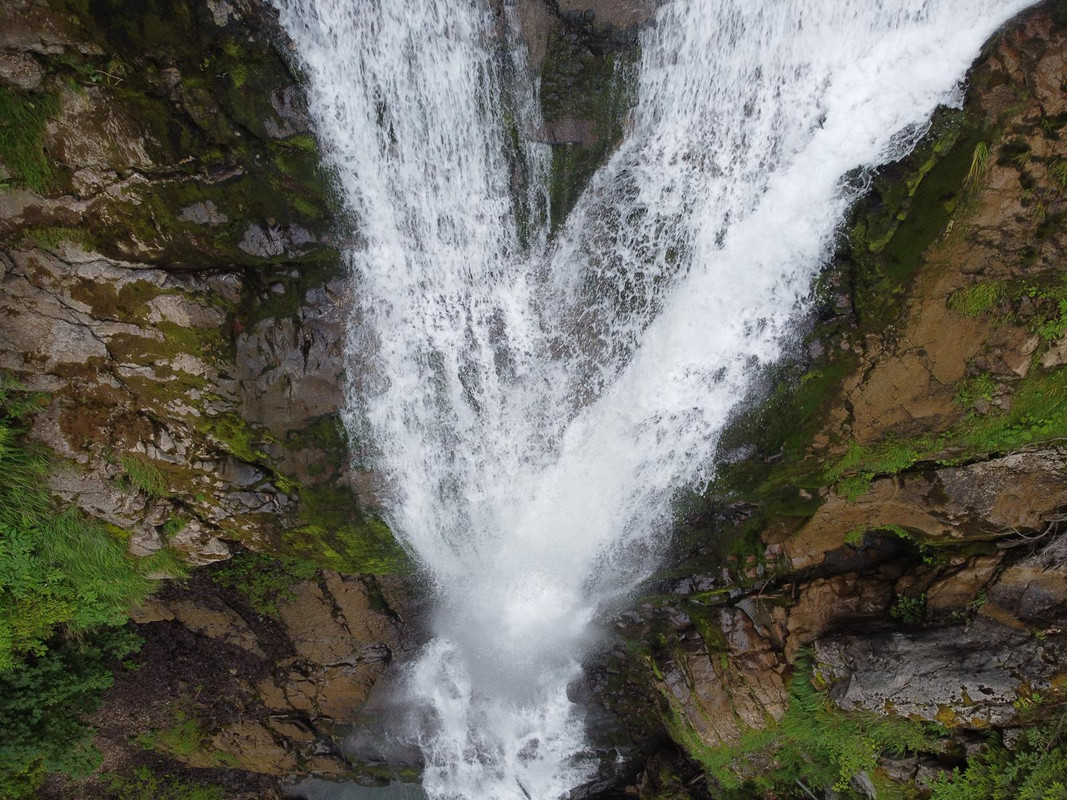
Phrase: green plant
[815,744]
[979,164]
[54,238]
[57,566]
[862,463]
[1035,769]
[978,299]
[909,610]
[144,784]
[42,705]
[144,475]
[264,581]
[182,739]
[971,390]
[22,126]
[1058,172]
[1054,327]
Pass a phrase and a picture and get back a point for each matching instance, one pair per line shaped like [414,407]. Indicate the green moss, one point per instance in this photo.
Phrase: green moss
[339,535]
[236,436]
[589,82]
[261,301]
[23,118]
[129,303]
[327,434]
[909,207]
[861,463]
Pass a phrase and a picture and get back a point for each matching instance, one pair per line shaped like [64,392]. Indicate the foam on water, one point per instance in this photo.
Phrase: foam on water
[533,404]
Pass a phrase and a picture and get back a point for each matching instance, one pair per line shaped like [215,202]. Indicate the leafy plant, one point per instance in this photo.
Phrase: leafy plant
[1036,769]
[42,705]
[909,610]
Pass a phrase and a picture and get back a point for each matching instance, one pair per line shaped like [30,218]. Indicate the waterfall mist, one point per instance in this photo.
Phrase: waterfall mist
[533,402]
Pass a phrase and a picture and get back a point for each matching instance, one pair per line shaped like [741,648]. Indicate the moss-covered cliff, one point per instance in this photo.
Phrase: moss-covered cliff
[172,307]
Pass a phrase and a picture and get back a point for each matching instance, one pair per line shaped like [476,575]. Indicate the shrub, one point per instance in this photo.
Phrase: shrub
[1035,770]
[42,705]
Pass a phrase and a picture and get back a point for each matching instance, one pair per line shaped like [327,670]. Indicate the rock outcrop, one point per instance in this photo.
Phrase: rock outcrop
[169,278]
[260,686]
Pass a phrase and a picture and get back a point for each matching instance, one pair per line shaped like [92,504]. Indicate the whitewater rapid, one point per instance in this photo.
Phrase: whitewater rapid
[532,403]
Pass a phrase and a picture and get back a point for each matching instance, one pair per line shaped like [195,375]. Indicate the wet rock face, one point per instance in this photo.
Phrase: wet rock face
[270,694]
[169,278]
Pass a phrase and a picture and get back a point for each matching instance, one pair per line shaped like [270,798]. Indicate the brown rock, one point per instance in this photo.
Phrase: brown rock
[1035,590]
[961,588]
[828,602]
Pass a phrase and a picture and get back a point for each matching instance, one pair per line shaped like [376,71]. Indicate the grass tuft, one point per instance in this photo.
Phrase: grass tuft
[142,474]
[974,301]
[23,118]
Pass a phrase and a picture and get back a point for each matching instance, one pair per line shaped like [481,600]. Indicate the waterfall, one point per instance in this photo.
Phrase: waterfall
[532,403]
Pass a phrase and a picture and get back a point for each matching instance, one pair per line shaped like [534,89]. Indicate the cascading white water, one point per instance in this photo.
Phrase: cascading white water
[534,406]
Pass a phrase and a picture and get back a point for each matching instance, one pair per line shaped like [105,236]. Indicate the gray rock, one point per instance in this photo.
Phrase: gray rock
[967,676]
[205,213]
[20,70]
[271,241]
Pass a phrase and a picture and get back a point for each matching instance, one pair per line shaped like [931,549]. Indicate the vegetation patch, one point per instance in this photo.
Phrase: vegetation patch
[23,118]
[262,580]
[590,80]
[42,705]
[339,535]
[146,784]
[142,474]
[1034,769]
[57,566]
[815,747]
[978,299]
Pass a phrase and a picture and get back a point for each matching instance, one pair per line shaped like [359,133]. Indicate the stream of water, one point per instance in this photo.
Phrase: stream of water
[533,402]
